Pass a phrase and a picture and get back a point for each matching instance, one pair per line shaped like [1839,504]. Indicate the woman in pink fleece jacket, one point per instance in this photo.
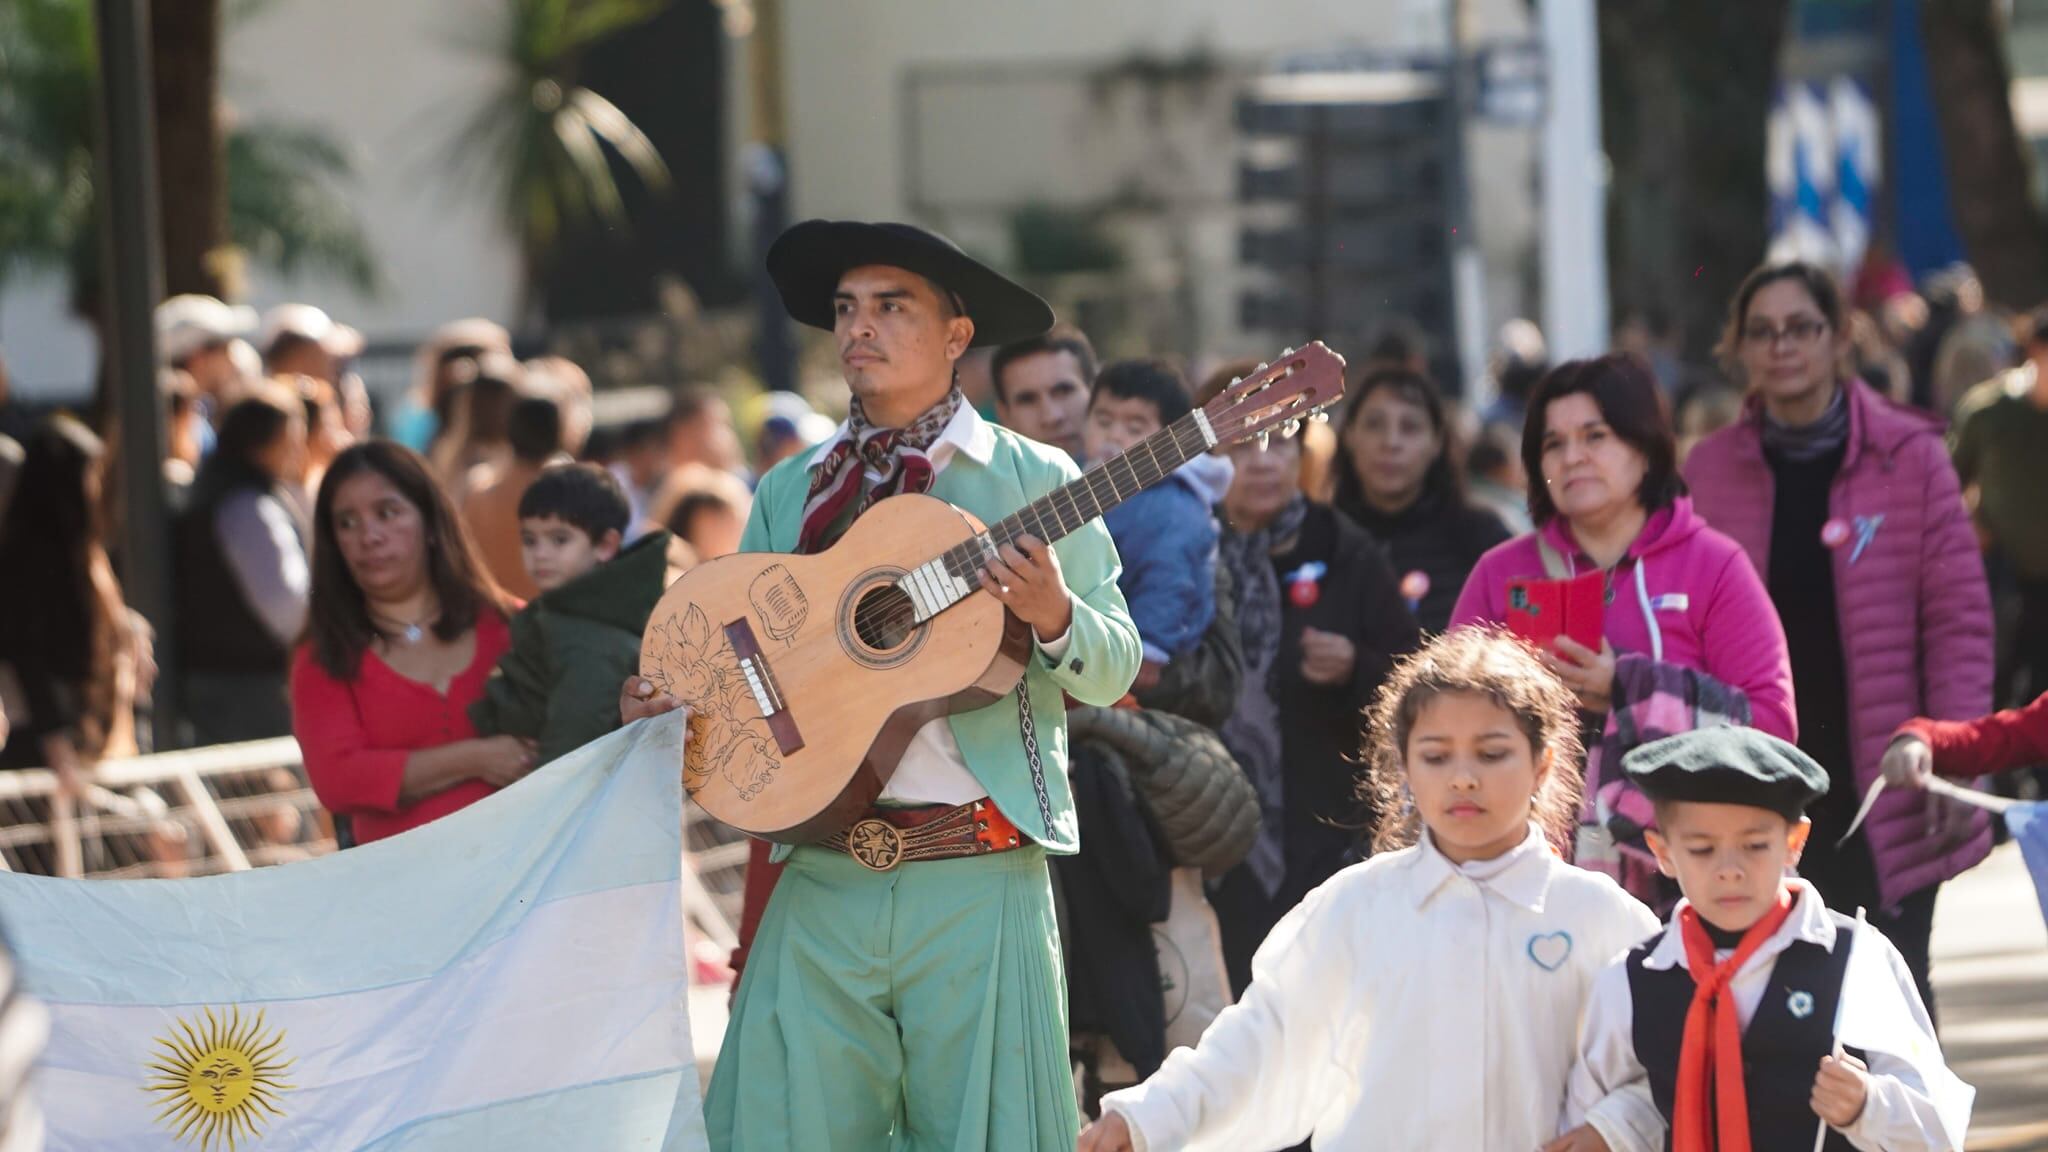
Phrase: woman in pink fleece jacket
[1851,509]
[1682,599]
[1610,497]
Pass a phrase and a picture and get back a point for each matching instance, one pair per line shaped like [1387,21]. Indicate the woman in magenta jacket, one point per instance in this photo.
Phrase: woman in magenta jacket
[1606,494]
[1850,507]
[1688,636]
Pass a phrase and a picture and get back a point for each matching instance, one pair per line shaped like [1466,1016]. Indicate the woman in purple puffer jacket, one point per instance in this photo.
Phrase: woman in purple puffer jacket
[1851,509]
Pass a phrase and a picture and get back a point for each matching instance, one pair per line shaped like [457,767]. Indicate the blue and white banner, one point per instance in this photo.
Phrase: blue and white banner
[511,977]
[1822,167]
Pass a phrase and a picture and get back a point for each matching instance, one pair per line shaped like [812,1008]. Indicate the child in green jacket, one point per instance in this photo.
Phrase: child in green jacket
[576,641]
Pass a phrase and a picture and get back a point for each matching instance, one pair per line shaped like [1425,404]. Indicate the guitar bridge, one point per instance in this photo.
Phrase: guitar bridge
[761,682]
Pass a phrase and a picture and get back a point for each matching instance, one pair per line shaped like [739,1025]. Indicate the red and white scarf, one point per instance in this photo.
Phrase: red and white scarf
[899,456]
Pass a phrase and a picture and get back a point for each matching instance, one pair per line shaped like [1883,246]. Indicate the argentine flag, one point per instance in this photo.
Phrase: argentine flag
[511,977]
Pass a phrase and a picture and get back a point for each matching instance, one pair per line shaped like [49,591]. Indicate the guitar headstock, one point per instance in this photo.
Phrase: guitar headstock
[1298,385]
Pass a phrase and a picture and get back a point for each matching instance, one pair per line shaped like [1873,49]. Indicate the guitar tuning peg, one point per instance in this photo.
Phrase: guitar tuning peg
[1265,439]
[1292,427]
[1320,416]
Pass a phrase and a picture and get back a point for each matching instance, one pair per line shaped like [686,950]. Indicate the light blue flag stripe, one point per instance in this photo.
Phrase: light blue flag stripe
[510,977]
[386,913]
[2028,824]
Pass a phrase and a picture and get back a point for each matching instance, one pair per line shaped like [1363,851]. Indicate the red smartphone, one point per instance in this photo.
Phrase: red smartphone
[1540,611]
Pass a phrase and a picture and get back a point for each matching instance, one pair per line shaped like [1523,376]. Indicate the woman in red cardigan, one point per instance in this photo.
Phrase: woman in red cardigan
[404,627]
[2000,742]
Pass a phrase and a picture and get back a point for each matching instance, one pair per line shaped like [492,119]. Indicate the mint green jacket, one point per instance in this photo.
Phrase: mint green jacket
[1102,653]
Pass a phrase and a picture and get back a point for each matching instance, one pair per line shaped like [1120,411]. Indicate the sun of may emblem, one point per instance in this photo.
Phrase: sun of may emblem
[218,1077]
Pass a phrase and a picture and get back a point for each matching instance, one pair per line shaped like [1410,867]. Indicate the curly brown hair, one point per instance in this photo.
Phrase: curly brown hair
[1485,662]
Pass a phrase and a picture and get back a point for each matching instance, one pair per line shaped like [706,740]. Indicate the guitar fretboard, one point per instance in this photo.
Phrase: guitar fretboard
[957,573]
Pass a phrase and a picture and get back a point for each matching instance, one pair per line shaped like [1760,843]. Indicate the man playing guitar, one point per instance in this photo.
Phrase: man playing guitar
[904,987]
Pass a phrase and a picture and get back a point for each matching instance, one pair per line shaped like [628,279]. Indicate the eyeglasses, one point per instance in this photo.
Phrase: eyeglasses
[1799,331]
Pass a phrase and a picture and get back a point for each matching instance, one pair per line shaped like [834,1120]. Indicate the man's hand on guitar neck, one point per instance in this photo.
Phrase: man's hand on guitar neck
[1026,578]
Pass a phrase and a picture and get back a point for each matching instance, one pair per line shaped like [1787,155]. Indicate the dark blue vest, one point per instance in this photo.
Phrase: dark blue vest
[1781,1049]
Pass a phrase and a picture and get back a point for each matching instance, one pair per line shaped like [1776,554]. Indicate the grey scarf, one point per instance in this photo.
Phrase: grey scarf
[1253,731]
[1806,442]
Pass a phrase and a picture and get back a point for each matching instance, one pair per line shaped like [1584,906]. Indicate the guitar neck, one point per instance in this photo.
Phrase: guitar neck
[1071,506]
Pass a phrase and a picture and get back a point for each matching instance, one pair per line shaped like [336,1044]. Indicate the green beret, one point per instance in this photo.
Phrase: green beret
[1728,766]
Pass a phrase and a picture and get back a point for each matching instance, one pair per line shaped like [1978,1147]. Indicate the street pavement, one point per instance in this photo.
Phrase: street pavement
[1991,987]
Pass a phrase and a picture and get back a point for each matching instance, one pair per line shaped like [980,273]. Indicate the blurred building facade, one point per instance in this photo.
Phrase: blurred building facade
[1093,148]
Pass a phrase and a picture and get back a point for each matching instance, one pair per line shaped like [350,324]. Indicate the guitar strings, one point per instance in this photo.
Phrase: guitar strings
[894,610]
[1183,436]
[899,613]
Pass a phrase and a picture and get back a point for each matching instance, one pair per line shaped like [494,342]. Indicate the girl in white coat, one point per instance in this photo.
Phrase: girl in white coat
[1430,997]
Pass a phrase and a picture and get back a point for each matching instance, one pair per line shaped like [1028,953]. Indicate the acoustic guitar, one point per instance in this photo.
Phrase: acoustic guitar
[806,676]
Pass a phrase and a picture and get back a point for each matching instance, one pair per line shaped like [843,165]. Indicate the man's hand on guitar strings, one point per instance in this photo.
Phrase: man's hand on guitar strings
[1026,578]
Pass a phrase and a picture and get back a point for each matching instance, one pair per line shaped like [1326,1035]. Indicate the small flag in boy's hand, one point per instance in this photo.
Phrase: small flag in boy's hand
[1878,1012]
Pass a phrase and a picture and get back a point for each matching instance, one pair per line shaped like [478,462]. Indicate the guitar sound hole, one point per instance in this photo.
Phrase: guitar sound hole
[884,618]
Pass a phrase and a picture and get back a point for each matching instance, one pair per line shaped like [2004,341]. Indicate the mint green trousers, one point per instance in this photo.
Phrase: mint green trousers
[917,1010]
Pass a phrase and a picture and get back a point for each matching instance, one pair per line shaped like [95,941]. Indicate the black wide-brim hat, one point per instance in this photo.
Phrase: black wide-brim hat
[808,259]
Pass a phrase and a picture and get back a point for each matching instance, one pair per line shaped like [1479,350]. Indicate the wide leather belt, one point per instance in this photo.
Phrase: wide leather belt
[885,837]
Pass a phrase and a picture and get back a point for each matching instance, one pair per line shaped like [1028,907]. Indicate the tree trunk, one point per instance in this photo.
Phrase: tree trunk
[191,158]
[1685,92]
[2002,231]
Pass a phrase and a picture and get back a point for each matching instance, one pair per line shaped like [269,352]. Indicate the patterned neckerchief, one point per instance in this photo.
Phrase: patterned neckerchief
[899,456]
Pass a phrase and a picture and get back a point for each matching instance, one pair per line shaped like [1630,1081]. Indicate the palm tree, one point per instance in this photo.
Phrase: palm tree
[284,203]
[47,55]
[541,144]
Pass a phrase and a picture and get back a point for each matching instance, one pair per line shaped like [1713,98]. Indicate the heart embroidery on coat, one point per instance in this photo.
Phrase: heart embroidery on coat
[1550,950]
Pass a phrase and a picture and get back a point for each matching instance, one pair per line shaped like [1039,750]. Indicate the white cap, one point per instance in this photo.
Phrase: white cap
[340,340]
[186,324]
[798,416]
[470,332]
[1521,340]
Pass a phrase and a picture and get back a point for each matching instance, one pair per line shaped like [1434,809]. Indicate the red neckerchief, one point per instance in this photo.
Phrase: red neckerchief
[1711,1113]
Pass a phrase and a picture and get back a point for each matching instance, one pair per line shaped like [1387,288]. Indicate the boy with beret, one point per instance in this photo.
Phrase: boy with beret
[1757,1014]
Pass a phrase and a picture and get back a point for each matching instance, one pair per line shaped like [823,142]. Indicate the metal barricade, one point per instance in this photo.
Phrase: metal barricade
[197,812]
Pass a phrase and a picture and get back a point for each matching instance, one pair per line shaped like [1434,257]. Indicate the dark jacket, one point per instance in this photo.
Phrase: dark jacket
[1437,538]
[1198,799]
[1322,725]
[1115,889]
[571,649]
[224,633]
[1155,789]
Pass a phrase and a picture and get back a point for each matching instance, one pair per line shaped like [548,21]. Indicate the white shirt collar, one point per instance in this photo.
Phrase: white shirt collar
[1809,921]
[1521,876]
[966,433]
